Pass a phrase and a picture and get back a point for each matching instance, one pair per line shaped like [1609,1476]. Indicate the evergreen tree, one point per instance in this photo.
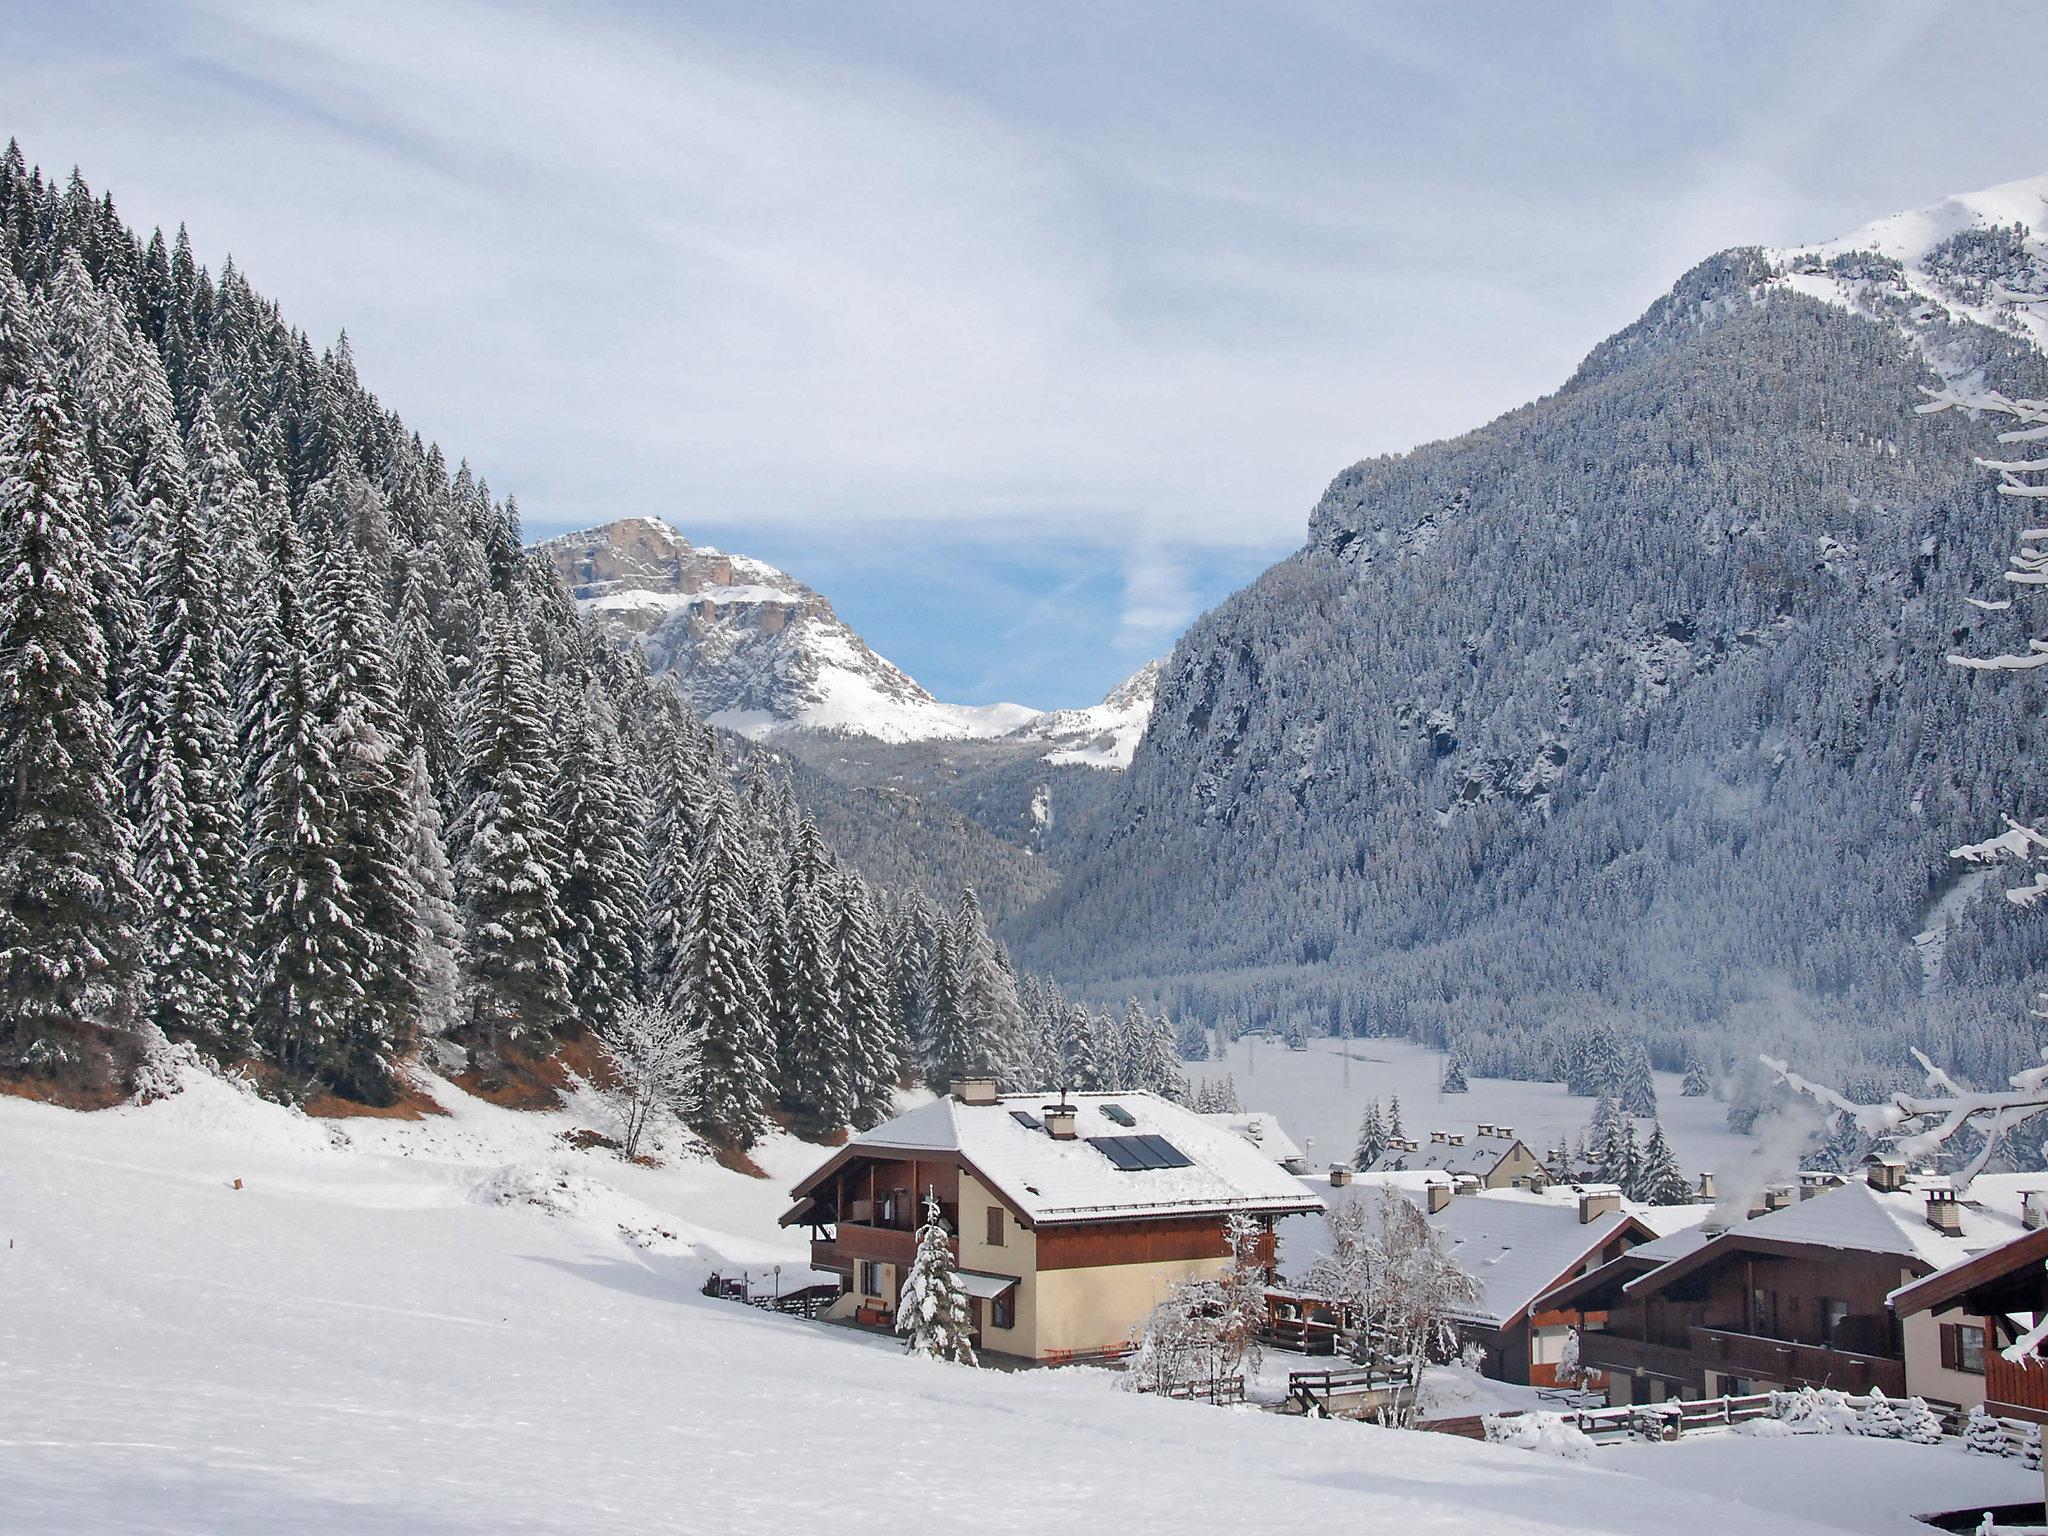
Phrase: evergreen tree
[1638,1094]
[190,840]
[1372,1137]
[933,1314]
[303,913]
[603,896]
[1454,1075]
[1660,1180]
[1698,1085]
[426,696]
[507,864]
[1395,1130]
[66,940]
[1076,1034]
[863,995]
[438,930]
[818,1085]
[717,990]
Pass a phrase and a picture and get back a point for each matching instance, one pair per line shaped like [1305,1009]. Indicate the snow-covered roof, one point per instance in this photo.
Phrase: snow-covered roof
[1469,1149]
[1854,1217]
[1515,1249]
[1054,1182]
[1262,1130]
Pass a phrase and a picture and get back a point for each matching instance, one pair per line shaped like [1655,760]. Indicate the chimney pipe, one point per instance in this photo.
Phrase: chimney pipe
[1707,1188]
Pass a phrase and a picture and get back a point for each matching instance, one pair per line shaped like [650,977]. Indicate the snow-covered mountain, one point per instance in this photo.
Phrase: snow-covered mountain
[1633,700]
[1104,735]
[1975,257]
[753,648]
[757,651]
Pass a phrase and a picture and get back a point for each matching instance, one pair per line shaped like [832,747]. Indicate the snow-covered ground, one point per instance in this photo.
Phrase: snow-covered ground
[460,1325]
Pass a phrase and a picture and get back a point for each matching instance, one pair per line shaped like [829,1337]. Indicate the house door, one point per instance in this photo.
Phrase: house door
[975,1303]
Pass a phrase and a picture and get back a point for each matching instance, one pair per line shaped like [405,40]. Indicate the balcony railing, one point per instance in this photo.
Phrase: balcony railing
[1616,1352]
[2022,1385]
[852,1243]
[1811,1365]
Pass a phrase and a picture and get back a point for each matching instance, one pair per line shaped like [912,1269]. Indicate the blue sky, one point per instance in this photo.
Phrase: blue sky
[1025,333]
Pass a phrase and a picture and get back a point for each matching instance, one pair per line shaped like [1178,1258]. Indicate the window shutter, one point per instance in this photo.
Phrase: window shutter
[1951,1348]
[995,1226]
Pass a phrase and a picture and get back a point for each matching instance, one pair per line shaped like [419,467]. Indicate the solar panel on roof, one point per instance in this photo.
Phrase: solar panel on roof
[1169,1155]
[1119,1114]
[1119,1151]
[1025,1118]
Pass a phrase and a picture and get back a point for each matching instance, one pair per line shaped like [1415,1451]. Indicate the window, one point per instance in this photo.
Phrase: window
[995,1226]
[1002,1312]
[870,1278]
[1764,1312]
[1833,1313]
[1962,1347]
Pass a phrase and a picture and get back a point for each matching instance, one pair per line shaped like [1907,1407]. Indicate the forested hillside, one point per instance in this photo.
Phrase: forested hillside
[1628,707]
[307,764]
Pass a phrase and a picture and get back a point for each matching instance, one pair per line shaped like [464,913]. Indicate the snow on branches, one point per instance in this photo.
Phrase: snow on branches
[1920,1123]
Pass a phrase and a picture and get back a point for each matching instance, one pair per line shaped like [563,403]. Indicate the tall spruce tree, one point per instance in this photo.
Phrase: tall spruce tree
[516,981]
[718,991]
[66,881]
[604,897]
[863,991]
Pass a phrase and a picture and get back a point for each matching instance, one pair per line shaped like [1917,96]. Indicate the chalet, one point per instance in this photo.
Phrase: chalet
[1794,1296]
[1959,1321]
[1491,1154]
[1517,1248]
[1070,1220]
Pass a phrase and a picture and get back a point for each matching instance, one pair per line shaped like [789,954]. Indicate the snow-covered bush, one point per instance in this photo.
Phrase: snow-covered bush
[1550,1433]
[1183,1340]
[1918,1423]
[1815,1411]
[1878,1419]
[1983,1433]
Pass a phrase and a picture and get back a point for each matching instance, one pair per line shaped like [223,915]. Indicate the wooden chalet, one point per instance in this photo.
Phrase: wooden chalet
[1977,1310]
[1071,1220]
[1797,1295]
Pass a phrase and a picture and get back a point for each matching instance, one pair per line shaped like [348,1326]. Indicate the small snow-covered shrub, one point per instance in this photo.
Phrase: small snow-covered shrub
[1815,1411]
[1546,1432]
[1765,1429]
[1879,1420]
[1918,1423]
[1983,1433]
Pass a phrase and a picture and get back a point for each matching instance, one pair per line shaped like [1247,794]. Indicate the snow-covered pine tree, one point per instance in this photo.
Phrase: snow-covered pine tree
[302,912]
[1395,1130]
[1698,1084]
[598,816]
[437,956]
[818,1086]
[717,989]
[190,838]
[1225,1097]
[950,1051]
[67,944]
[1077,1037]
[933,1313]
[1638,1086]
[1660,1181]
[1372,1137]
[863,994]
[359,713]
[1454,1074]
[426,697]
[506,870]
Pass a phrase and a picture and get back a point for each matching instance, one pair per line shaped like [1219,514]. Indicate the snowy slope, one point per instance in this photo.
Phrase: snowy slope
[1971,257]
[1104,735]
[381,1331]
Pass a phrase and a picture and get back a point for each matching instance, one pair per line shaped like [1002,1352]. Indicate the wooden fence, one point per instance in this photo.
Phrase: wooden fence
[1676,1418]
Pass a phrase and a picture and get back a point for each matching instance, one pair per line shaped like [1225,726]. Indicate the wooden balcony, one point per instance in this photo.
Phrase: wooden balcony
[1799,1365]
[853,1243]
[1616,1352]
[2015,1390]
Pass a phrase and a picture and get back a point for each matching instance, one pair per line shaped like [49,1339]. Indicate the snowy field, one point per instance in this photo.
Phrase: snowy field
[1309,1092]
[460,1325]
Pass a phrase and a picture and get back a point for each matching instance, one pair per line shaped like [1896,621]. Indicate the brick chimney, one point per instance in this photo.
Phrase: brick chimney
[1945,1212]
[1340,1175]
[1777,1197]
[1706,1192]
[1439,1196]
[975,1090]
[1885,1171]
[1059,1121]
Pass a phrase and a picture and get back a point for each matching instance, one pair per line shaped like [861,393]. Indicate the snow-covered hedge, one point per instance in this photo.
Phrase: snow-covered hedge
[1548,1432]
[1824,1411]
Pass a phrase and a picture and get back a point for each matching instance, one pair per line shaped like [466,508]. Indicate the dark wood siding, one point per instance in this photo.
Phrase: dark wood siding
[1131,1242]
